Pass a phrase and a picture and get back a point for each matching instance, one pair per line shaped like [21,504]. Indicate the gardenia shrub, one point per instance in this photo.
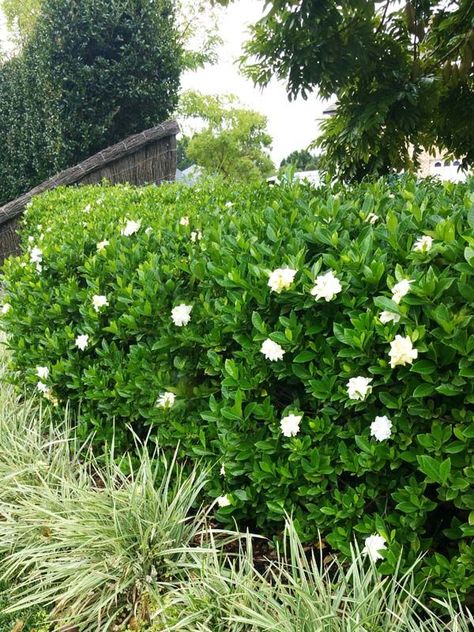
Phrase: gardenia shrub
[314,346]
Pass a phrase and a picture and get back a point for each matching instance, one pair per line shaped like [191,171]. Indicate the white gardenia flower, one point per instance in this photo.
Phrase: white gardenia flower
[326,286]
[423,243]
[272,350]
[87,208]
[166,400]
[6,307]
[148,230]
[402,351]
[388,317]
[359,387]
[82,341]
[371,218]
[196,235]
[42,387]
[373,545]
[223,501]
[184,221]
[222,470]
[281,279]
[131,227]
[181,314]
[381,428]
[42,372]
[99,301]
[400,289]
[102,245]
[290,425]
[36,255]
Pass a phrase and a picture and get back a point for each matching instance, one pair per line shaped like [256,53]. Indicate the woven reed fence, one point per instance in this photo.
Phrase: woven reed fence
[145,158]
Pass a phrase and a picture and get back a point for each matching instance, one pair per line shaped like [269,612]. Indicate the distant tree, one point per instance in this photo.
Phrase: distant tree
[402,74]
[232,141]
[302,159]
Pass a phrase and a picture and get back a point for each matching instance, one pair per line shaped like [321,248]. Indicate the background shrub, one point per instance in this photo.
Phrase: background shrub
[414,488]
[90,74]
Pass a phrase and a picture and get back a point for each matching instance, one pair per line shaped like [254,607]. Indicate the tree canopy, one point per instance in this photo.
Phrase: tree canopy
[230,140]
[402,75]
[196,24]
[89,74]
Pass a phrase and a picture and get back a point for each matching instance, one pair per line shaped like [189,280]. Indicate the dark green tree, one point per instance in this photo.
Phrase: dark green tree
[302,159]
[402,75]
[91,73]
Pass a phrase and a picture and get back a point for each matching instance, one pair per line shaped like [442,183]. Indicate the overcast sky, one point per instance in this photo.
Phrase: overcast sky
[292,125]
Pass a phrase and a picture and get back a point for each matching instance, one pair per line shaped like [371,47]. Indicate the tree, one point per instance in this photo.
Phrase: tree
[403,75]
[302,159]
[197,27]
[91,73]
[232,141]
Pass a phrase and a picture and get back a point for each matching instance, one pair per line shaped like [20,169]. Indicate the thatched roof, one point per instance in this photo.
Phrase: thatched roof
[103,161]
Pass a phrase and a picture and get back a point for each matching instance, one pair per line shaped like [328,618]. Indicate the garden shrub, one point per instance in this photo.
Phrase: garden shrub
[206,384]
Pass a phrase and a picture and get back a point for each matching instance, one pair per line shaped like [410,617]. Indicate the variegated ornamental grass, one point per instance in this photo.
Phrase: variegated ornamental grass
[260,360]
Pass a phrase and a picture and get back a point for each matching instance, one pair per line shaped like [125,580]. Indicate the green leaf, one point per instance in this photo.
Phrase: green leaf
[258,323]
[425,367]
[469,255]
[305,356]
[423,390]
[435,470]
[386,304]
[449,390]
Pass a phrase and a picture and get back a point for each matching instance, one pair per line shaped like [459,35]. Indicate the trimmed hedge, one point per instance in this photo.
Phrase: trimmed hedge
[227,400]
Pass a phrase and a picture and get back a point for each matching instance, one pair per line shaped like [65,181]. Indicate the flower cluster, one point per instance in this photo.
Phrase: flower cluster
[99,301]
[373,545]
[326,286]
[272,350]
[166,400]
[290,425]
[401,289]
[181,314]
[36,257]
[82,341]
[281,279]
[359,387]
[131,227]
[423,244]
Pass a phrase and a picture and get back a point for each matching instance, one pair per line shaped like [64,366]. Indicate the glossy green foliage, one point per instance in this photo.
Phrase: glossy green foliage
[402,75]
[414,488]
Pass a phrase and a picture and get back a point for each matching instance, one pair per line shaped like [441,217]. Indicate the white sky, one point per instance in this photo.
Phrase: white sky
[299,115]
